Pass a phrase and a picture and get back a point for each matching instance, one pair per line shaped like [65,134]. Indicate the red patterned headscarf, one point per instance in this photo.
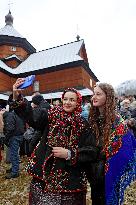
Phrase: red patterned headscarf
[79,98]
[61,123]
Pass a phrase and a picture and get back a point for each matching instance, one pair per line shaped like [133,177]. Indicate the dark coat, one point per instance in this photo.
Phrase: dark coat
[13,125]
[42,107]
[133,113]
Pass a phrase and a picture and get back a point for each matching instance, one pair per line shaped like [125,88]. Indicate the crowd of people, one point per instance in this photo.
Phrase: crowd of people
[72,143]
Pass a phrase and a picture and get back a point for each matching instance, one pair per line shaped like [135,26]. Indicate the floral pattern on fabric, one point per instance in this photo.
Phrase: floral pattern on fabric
[119,128]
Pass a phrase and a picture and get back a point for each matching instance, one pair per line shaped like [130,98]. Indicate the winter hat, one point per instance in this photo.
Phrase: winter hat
[37,99]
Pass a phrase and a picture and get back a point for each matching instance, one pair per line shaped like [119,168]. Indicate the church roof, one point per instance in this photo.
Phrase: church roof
[53,57]
[8,29]
[12,56]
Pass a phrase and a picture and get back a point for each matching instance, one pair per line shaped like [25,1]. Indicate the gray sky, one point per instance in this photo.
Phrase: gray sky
[108,28]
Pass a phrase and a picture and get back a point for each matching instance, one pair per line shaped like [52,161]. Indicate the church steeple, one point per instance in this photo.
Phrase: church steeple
[9,19]
[12,38]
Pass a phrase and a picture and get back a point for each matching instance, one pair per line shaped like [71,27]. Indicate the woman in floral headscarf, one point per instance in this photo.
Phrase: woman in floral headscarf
[115,167]
[57,177]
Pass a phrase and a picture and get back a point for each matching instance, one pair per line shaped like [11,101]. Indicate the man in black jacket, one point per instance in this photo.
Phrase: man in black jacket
[14,128]
[38,100]
[39,105]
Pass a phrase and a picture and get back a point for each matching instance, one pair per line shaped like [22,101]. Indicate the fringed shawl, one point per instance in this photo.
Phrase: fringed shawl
[121,164]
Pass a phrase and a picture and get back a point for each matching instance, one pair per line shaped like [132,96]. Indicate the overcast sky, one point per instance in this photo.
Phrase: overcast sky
[108,28]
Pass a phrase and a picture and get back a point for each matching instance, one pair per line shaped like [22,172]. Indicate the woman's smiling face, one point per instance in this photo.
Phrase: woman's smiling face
[99,97]
[69,101]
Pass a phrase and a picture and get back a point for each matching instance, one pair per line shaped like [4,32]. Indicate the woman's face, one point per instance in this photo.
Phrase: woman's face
[69,101]
[99,97]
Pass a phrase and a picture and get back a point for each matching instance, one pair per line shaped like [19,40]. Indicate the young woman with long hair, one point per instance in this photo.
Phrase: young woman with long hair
[115,167]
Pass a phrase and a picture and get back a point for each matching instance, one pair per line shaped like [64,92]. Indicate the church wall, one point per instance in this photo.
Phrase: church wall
[49,82]
[12,63]
[60,79]
[5,82]
[88,81]
[83,54]
[71,77]
[56,80]
[6,50]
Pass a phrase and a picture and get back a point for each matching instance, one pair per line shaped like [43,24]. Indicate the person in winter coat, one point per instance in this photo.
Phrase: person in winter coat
[14,128]
[37,99]
[133,113]
[125,110]
[132,125]
[57,177]
[39,104]
[115,167]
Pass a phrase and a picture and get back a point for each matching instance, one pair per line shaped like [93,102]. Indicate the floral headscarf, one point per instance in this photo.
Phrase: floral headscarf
[79,98]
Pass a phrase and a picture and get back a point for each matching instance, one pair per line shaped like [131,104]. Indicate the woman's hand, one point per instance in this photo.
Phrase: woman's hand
[60,152]
[18,82]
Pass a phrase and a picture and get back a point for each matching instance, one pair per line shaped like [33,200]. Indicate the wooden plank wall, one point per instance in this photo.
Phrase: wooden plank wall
[49,82]
[5,51]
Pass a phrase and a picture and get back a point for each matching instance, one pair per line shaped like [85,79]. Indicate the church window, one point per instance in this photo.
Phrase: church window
[13,48]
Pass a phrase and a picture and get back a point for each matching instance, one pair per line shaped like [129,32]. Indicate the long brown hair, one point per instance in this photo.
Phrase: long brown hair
[108,114]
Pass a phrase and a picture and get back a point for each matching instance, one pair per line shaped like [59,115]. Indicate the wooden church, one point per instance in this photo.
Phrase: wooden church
[55,68]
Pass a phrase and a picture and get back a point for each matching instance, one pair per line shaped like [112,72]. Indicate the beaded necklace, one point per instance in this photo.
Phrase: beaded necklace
[65,128]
